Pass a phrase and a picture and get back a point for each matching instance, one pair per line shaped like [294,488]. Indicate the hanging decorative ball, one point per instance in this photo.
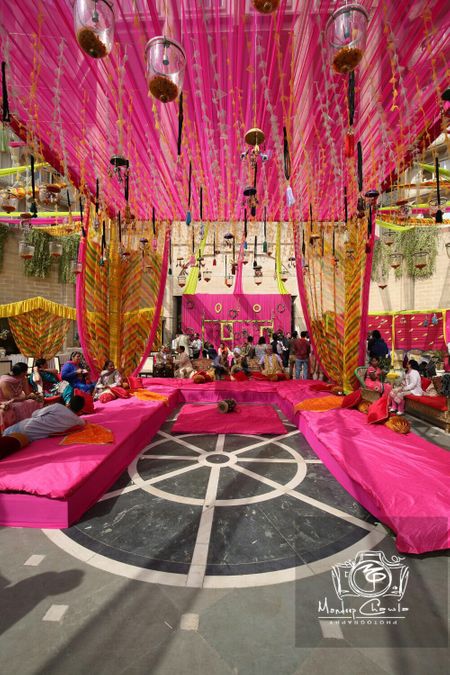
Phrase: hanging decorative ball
[94,27]
[346,32]
[266,6]
[166,63]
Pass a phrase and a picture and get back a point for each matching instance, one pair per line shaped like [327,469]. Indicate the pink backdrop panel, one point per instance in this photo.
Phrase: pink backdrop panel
[412,331]
[249,313]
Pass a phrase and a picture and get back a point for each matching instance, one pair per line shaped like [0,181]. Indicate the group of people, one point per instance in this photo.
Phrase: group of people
[23,396]
[277,359]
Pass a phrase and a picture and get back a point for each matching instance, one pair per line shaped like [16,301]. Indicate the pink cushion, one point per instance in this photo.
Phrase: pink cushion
[352,400]
[378,410]
[437,402]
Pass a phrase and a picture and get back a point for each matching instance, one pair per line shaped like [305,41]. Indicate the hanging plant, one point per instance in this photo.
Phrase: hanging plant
[70,245]
[413,241]
[39,265]
[380,262]
[4,231]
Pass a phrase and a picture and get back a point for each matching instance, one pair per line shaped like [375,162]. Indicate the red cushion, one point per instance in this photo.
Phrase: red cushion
[425,382]
[88,401]
[352,400]
[240,376]
[378,410]
[258,376]
[437,402]
[135,382]
[321,386]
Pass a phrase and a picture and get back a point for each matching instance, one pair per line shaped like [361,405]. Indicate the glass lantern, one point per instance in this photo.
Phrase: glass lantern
[76,267]
[166,63]
[8,202]
[207,274]
[266,6]
[55,249]
[26,251]
[94,27]
[395,260]
[388,237]
[229,280]
[346,34]
[420,259]
[182,279]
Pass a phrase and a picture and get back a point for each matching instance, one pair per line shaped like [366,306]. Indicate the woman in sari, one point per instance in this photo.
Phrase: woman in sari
[43,380]
[109,384]
[14,392]
[74,374]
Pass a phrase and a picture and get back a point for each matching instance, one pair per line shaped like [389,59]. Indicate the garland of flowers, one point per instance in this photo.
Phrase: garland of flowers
[409,242]
[39,265]
[69,253]
[4,231]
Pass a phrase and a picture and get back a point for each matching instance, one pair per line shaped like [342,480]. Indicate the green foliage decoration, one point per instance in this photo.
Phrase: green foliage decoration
[4,231]
[70,245]
[409,242]
[39,265]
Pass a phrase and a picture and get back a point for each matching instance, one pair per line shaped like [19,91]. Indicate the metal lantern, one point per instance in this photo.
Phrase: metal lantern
[26,250]
[395,260]
[94,27]
[346,33]
[420,259]
[266,6]
[166,63]
[55,249]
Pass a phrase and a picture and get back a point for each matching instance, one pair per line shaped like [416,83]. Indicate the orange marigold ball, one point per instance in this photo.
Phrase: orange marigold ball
[399,424]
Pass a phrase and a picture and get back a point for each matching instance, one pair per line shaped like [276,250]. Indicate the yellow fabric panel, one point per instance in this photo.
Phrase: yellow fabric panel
[31,304]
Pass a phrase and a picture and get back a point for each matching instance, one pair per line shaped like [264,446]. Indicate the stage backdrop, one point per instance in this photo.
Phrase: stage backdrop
[413,330]
[230,318]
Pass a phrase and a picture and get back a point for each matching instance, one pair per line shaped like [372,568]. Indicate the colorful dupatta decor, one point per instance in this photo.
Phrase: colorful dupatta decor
[39,326]
[119,293]
[333,281]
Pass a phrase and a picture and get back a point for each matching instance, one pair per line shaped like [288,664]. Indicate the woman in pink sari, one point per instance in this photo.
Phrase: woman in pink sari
[14,393]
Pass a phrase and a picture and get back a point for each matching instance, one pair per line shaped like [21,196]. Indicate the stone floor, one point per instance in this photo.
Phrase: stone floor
[222,554]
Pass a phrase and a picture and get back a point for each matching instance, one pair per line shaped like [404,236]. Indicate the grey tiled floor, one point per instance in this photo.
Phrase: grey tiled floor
[112,624]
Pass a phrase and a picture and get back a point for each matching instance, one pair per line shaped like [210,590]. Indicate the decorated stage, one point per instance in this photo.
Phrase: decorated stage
[401,480]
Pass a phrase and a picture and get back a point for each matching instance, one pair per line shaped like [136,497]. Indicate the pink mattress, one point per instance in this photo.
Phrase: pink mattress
[245,419]
[406,477]
[48,469]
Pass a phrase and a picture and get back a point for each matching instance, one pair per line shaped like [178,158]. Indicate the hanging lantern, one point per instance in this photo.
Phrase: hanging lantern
[76,267]
[258,274]
[266,6]
[55,249]
[26,250]
[207,274]
[229,280]
[182,279]
[395,260]
[166,63]
[388,237]
[346,33]
[382,284]
[9,203]
[420,259]
[94,27]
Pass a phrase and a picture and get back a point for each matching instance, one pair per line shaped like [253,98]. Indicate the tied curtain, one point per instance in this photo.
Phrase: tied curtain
[119,296]
[39,334]
[333,280]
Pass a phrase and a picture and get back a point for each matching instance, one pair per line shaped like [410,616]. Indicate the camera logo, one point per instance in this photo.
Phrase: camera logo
[370,575]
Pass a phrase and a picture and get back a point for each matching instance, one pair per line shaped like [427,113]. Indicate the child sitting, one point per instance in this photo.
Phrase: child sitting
[374,375]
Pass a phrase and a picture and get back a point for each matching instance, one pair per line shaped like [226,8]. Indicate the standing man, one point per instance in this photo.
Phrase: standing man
[302,350]
[196,346]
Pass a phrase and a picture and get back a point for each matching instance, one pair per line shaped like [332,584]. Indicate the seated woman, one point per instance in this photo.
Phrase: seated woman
[272,366]
[374,376]
[43,380]
[75,375]
[109,384]
[410,385]
[15,393]
[183,364]
[260,349]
